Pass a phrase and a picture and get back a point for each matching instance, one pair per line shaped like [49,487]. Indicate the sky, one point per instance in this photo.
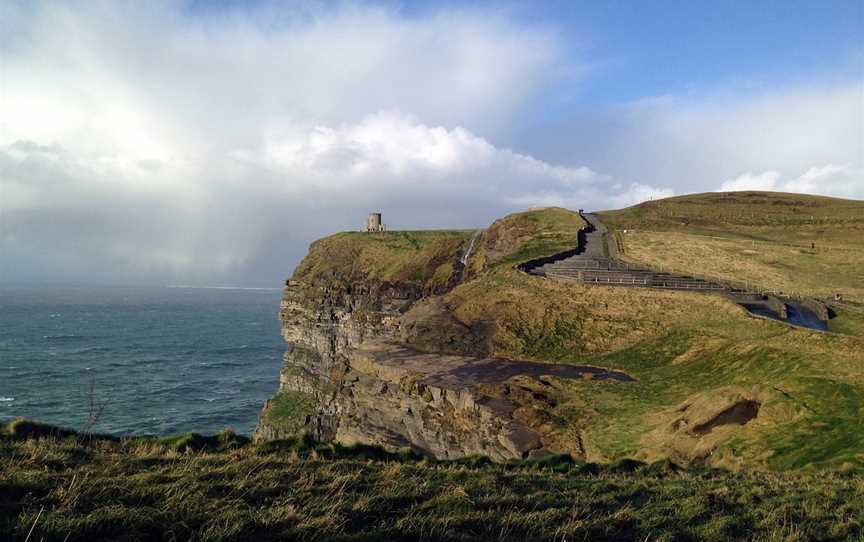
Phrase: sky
[209,143]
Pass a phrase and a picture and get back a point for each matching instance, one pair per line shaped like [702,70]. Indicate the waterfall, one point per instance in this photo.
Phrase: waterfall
[467,254]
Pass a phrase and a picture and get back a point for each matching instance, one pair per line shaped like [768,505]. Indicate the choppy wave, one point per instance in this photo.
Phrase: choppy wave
[242,349]
[220,287]
[162,360]
[71,337]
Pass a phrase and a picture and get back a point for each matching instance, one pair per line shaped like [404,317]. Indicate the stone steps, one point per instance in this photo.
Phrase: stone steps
[590,266]
[587,264]
[650,280]
[611,272]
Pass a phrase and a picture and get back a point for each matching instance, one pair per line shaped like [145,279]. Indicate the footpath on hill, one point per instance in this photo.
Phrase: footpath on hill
[595,262]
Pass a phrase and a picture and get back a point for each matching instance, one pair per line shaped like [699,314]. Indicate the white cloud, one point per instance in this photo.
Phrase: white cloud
[145,78]
[830,180]
[140,143]
[695,142]
[389,149]
[222,214]
[748,181]
[827,180]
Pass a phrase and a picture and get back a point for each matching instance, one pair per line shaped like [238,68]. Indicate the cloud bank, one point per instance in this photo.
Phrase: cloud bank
[141,144]
[697,143]
[827,180]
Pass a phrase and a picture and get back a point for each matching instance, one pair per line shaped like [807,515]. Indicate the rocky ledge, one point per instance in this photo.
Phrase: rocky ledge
[347,379]
[376,356]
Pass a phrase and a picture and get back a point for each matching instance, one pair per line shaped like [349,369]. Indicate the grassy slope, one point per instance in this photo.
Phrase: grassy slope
[808,245]
[426,257]
[142,489]
[523,236]
[681,346]
[417,257]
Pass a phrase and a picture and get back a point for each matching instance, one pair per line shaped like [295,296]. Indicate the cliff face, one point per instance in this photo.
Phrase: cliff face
[385,362]
[322,325]
[356,385]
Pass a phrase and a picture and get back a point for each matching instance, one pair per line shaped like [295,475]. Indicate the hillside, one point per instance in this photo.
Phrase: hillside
[794,243]
[411,354]
[421,258]
[712,384]
[429,258]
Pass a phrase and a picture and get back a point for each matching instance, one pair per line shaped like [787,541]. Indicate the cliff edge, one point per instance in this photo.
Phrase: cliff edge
[437,342]
[375,348]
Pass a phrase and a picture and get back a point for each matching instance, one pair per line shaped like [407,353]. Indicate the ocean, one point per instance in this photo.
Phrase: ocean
[159,361]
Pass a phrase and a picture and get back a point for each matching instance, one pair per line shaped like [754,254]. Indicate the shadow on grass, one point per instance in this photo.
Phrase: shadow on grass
[305,446]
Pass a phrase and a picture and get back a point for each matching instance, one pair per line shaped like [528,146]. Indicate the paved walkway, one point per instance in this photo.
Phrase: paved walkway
[594,238]
[590,265]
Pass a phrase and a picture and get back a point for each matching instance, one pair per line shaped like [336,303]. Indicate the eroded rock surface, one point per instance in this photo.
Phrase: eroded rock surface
[344,354]
[377,356]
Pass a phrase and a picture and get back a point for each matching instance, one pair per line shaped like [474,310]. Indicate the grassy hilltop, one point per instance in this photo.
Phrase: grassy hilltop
[425,258]
[806,245]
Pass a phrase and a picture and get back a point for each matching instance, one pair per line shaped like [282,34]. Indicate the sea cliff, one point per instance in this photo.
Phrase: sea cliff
[375,355]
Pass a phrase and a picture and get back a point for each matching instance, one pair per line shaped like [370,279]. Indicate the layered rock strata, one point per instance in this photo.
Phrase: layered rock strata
[364,387]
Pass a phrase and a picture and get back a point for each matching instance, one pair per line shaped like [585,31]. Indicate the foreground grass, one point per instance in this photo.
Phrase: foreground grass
[220,489]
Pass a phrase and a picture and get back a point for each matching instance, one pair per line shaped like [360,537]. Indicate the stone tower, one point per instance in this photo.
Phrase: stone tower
[373,223]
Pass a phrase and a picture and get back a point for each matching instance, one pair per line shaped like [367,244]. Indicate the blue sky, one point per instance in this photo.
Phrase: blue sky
[639,49]
[656,48]
[210,142]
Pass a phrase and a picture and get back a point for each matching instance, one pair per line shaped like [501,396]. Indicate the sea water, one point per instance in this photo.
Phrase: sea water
[154,360]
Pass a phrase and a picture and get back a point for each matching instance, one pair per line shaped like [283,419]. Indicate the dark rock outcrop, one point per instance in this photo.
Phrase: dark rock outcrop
[344,353]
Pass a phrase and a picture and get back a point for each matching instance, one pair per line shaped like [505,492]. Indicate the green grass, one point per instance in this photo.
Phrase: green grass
[524,236]
[848,321]
[805,245]
[193,442]
[551,337]
[682,348]
[811,400]
[137,489]
[423,258]
[774,215]
[289,409]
